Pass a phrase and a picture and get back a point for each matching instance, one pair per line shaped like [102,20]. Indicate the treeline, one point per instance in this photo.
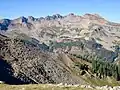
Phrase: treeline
[100,67]
[103,69]
[65,44]
[88,57]
[84,57]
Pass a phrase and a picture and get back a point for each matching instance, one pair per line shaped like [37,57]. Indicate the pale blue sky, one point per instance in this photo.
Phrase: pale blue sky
[110,9]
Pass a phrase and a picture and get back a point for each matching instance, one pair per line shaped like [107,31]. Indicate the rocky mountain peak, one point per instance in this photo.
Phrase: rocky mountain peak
[31,18]
[92,16]
[71,14]
[56,16]
[21,20]
[5,21]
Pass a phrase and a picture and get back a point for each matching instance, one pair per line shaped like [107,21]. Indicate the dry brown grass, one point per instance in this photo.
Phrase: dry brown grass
[38,87]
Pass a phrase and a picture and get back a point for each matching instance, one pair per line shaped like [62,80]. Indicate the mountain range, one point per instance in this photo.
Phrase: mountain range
[69,28]
[45,49]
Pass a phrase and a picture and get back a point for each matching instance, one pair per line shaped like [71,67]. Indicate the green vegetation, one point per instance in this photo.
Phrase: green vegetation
[100,68]
[85,57]
[82,66]
[103,69]
[65,44]
[117,48]
[98,39]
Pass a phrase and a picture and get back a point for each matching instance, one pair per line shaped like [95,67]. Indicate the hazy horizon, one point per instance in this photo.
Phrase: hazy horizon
[40,8]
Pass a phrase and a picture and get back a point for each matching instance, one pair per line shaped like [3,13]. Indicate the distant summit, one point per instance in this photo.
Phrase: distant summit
[57,28]
[4,23]
[55,16]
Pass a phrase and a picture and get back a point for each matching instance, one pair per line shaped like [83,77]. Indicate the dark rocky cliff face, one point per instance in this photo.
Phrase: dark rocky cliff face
[6,74]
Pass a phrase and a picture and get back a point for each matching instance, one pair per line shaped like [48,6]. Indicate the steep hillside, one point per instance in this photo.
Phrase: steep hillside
[24,62]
